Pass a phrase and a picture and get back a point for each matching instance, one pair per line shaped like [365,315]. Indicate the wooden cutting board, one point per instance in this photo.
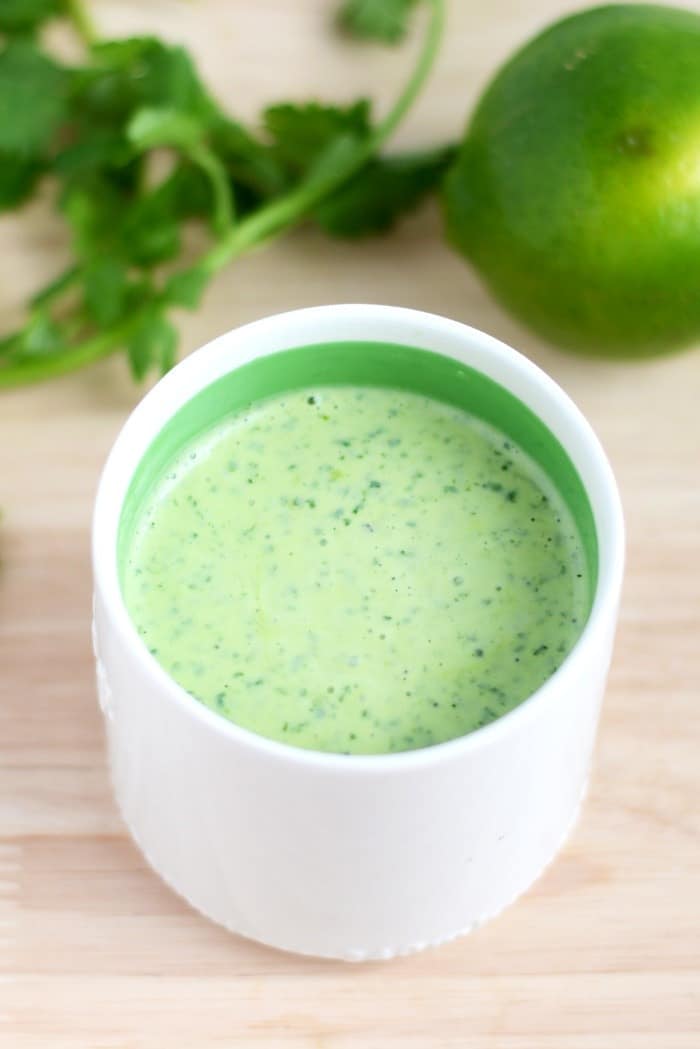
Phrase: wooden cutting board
[95,953]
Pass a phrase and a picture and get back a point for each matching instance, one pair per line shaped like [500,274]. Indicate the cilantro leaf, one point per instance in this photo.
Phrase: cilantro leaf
[41,336]
[23,15]
[152,126]
[105,290]
[143,229]
[251,164]
[150,231]
[103,148]
[384,190]
[167,346]
[93,208]
[186,192]
[18,176]
[384,20]
[300,134]
[141,71]
[33,92]
[152,344]
[186,287]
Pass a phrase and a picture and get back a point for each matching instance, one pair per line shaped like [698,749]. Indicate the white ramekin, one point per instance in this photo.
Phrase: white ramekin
[352,857]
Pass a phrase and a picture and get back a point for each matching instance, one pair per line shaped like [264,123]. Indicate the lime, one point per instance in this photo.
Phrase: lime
[576,191]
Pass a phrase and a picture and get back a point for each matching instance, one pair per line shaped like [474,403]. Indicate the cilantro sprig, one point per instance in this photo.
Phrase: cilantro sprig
[138,149]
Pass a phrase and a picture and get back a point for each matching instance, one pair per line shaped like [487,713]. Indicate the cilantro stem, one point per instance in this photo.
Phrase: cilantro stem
[291,209]
[36,369]
[224,208]
[82,21]
[57,285]
[420,74]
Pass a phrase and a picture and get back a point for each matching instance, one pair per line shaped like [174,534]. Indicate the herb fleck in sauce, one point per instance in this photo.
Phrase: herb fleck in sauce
[357,570]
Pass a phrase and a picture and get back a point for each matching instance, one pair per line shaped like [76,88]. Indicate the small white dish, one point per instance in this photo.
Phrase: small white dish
[353,857]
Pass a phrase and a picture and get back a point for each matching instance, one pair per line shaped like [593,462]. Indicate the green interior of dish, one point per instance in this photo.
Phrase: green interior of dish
[364,364]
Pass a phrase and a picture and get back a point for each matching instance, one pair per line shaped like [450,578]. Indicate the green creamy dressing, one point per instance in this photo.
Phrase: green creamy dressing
[356,569]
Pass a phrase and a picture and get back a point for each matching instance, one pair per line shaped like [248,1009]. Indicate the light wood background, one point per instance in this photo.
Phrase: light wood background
[95,952]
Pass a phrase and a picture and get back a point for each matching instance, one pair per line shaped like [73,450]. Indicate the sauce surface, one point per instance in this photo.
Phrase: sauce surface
[356,570]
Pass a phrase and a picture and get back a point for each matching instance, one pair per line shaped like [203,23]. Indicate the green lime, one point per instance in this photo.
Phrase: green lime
[576,192]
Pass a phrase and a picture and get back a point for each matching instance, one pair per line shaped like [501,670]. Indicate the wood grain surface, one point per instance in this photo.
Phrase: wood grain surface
[604,953]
